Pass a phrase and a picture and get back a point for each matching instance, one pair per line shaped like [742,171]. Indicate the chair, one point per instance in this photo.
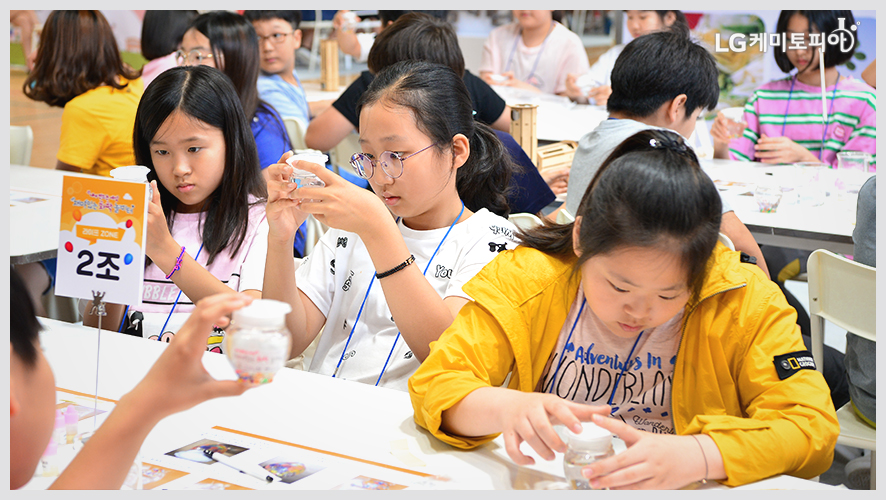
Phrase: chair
[563,216]
[844,292]
[525,221]
[316,229]
[340,155]
[726,241]
[21,142]
[296,130]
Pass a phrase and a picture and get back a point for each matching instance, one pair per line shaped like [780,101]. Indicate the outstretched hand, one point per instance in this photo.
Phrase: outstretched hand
[178,380]
[649,462]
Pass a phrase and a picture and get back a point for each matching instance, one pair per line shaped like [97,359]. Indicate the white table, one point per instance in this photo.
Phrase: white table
[34,212]
[313,91]
[793,225]
[558,118]
[352,419]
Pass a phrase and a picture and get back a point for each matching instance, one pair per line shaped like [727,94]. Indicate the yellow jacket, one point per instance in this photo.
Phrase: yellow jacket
[725,383]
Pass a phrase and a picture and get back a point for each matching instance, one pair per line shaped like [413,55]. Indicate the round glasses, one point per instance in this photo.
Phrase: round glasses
[275,38]
[193,57]
[391,163]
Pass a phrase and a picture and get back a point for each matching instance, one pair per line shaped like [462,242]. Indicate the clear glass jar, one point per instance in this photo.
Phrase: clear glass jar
[594,443]
[257,342]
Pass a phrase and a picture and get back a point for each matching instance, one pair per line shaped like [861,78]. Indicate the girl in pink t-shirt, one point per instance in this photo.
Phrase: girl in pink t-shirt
[206,230]
[535,52]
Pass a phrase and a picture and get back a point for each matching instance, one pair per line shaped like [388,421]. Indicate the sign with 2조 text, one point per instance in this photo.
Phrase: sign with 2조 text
[102,239]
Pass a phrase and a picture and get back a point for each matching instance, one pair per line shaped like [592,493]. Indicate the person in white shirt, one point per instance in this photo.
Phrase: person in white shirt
[386,279]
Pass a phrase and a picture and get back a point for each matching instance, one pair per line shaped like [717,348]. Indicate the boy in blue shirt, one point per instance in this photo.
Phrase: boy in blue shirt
[278,84]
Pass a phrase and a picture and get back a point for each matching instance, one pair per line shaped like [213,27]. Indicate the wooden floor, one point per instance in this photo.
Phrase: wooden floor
[45,121]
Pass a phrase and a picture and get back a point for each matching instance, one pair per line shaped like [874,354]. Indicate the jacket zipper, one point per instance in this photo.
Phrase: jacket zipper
[683,332]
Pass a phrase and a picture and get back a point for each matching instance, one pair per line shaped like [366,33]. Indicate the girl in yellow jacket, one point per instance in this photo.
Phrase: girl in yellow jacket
[637,311]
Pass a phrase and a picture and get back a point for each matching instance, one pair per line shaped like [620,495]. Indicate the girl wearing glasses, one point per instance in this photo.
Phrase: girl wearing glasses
[385,281]
[227,41]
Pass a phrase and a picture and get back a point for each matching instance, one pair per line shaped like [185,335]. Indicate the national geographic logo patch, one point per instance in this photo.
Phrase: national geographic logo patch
[792,362]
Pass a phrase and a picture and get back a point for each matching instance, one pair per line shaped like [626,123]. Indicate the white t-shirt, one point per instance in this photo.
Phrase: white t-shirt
[601,70]
[366,40]
[243,271]
[560,54]
[338,272]
[593,365]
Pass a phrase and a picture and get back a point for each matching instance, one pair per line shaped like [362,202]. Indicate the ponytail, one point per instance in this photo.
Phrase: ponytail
[483,181]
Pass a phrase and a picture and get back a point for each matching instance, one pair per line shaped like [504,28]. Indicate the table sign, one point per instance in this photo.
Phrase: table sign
[102,239]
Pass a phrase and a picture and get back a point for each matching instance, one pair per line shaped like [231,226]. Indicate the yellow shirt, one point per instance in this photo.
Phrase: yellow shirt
[97,128]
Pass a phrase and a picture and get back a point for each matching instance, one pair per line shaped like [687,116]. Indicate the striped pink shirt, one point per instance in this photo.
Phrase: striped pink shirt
[774,107]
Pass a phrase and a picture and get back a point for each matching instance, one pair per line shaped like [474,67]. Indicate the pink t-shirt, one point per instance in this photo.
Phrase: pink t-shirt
[153,68]
[592,365]
[560,54]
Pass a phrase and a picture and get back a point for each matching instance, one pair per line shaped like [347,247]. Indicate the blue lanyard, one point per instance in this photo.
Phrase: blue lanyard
[826,123]
[360,312]
[537,57]
[160,335]
[569,337]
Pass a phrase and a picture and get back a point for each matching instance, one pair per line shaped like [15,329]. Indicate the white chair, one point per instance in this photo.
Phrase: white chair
[844,292]
[316,229]
[726,241]
[525,221]
[563,216]
[296,130]
[21,142]
[340,155]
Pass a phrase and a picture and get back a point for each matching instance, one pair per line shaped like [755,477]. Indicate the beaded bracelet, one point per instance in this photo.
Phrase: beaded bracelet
[704,457]
[178,264]
[399,267]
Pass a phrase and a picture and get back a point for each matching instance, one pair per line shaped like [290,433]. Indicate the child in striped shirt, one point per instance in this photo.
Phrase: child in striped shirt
[784,117]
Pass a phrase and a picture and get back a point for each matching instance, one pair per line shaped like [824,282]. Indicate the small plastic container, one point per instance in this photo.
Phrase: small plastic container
[134,173]
[303,178]
[736,124]
[768,197]
[257,342]
[593,444]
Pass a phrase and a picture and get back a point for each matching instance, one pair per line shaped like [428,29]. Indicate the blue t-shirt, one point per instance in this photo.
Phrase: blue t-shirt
[271,138]
[288,100]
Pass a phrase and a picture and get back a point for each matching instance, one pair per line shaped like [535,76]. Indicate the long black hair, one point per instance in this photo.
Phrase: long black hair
[206,94]
[649,192]
[162,31]
[442,108]
[236,52]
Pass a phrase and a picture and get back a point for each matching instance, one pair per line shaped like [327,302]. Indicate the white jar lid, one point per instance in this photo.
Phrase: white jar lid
[592,437]
[262,313]
[134,173]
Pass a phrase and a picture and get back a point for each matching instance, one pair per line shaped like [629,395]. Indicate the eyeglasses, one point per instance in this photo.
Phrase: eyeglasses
[193,57]
[391,163]
[275,38]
